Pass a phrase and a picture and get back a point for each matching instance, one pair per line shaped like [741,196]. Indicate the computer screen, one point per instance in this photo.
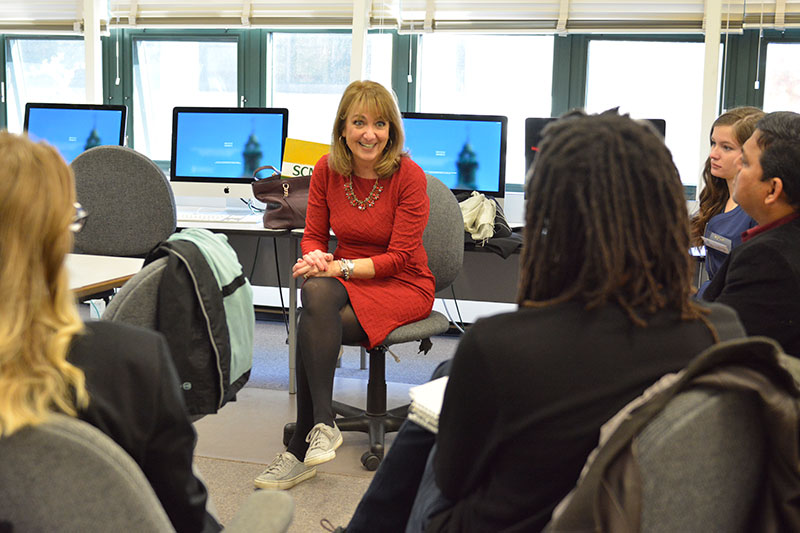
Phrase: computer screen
[222,146]
[73,128]
[533,135]
[466,152]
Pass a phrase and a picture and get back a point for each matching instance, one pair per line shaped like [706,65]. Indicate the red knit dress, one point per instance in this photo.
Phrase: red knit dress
[389,232]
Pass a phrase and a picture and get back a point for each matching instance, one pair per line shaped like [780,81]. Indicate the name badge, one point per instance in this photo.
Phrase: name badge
[718,242]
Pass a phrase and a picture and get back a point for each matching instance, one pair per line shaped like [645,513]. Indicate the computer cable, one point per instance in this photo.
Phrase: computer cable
[280,289]
[458,326]
[251,206]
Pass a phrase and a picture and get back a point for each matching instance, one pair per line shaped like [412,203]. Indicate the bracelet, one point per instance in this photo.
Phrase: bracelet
[346,266]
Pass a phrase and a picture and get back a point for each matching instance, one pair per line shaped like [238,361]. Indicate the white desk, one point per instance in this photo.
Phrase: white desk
[95,274]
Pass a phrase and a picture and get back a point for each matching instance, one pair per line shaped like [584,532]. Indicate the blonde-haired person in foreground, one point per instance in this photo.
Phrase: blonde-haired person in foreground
[118,378]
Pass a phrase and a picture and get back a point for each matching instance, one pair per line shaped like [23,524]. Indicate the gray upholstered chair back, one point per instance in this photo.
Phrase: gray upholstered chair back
[701,463]
[129,200]
[444,235]
[137,300]
[66,475]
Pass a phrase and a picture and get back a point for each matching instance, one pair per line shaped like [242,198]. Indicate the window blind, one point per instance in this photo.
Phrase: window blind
[409,16]
[44,15]
[582,16]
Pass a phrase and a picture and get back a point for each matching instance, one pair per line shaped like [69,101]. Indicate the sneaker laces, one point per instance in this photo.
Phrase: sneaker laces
[277,464]
[319,432]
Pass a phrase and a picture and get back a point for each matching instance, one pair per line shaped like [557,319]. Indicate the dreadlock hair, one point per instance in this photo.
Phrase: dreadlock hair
[715,194]
[606,220]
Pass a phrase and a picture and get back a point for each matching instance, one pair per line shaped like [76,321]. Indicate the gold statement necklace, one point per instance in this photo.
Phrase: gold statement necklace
[369,201]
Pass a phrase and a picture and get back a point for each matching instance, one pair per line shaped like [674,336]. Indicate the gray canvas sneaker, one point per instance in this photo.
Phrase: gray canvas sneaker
[323,441]
[284,472]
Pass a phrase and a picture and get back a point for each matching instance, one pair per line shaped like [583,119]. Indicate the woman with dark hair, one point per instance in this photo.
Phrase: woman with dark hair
[374,198]
[605,309]
[719,222]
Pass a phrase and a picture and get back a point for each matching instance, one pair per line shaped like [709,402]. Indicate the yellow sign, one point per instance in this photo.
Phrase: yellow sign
[299,157]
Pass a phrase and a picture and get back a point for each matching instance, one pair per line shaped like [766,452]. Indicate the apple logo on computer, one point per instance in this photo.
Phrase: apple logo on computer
[227,190]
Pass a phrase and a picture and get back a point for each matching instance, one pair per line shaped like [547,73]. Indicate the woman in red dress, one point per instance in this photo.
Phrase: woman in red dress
[373,197]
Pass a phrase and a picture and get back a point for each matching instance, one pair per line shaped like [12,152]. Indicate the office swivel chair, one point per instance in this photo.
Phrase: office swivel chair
[203,346]
[136,302]
[66,475]
[129,201]
[444,244]
[701,463]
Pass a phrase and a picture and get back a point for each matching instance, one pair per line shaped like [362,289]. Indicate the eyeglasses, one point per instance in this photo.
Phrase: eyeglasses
[79,219]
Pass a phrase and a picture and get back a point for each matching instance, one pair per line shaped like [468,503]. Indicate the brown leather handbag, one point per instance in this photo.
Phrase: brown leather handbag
[286,199]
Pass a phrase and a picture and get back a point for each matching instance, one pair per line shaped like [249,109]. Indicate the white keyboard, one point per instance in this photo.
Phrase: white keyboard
[222,217]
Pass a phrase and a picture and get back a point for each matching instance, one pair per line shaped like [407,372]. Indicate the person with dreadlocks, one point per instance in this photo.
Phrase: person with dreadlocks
[605,310]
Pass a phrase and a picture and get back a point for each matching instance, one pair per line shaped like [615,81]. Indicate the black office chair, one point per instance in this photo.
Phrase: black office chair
[444,243]
[129,201]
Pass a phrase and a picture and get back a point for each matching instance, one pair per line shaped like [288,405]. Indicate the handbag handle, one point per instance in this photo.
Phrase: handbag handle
[275,172]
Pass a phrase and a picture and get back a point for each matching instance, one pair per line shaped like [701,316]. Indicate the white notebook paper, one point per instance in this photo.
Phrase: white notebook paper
[426,403]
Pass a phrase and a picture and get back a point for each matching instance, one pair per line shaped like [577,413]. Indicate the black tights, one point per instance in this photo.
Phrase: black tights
[326,322]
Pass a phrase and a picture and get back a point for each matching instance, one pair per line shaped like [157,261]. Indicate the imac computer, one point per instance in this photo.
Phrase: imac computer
[216,149]
[533,135]
[73,128]
[466,152]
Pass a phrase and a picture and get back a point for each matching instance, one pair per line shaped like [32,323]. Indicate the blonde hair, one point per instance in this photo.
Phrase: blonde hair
[38,316]
[376,99]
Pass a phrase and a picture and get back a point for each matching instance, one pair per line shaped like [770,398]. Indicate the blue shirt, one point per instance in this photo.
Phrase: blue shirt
[723,234]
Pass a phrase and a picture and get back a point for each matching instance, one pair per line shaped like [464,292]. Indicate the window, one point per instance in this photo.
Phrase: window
[476,74]
[168,73]
[782,79]
[43,70]
[653,79]
[310,72]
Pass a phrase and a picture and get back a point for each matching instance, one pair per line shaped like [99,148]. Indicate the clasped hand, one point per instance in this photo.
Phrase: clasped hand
[315,263]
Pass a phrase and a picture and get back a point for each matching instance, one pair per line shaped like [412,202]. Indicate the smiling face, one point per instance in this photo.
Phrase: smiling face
[725,152]
[366,135]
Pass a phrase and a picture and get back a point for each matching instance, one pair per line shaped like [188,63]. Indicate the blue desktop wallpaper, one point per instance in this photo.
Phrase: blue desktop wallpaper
[71,131]
[227,145]
[440,145]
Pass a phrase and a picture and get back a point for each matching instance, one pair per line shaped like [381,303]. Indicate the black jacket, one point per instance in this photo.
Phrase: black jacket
[191,315]
[539,383]
[135,398]
[761,281]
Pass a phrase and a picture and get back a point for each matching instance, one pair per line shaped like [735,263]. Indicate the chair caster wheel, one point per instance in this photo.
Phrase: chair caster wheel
[370,461]
[288,431]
